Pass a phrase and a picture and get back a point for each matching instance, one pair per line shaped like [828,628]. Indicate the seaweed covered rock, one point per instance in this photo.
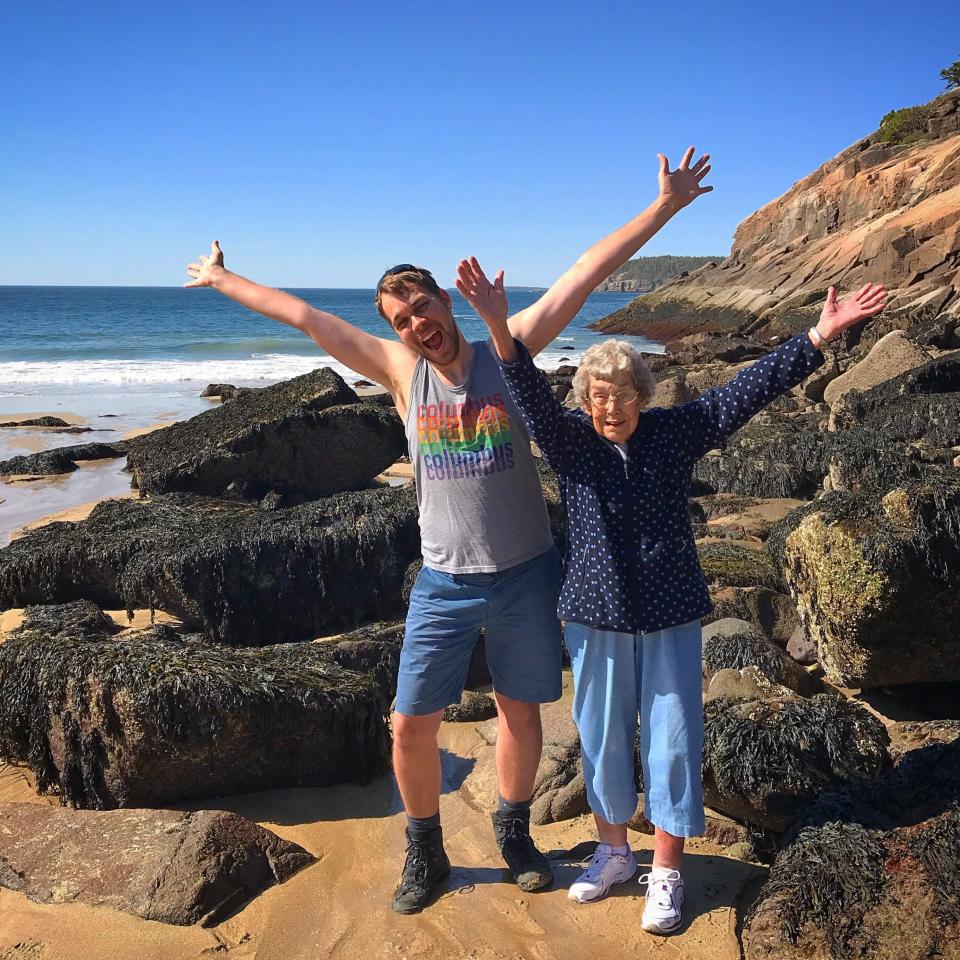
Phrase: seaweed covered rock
[771,456]
[891,356]
[732,564]
[152,717]
[713,347]
[876,580]
[922,403]
[871,872]
[556,509]
[771,613]
[864,459]
[373,649]
[732,644]
[61,459]
[243,576]
[764,761]
[306,437]
[163,865]
[472,708]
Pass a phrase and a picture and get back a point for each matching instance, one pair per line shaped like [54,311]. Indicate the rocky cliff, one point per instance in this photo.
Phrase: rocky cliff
[880,211]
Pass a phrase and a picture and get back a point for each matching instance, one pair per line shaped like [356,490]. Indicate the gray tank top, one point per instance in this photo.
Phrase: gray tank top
[481,505]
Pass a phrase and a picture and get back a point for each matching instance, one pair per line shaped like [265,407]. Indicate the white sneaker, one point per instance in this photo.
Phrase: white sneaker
[662,910]
[604,869]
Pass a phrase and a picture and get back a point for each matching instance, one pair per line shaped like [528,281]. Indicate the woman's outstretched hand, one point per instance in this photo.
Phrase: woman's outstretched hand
[489,300]
[836,317]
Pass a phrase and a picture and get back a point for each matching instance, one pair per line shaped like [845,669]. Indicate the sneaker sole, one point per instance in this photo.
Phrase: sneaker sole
[537,883]
[604,893]
[653,927]
[439,889]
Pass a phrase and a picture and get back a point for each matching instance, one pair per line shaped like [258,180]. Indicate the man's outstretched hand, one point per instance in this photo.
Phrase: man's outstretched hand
[683,185]
[489,300]
[205,270]
[835,318]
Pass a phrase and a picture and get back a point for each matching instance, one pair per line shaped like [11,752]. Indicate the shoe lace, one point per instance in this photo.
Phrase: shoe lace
[516,835]
[660,889]
[594,865]
[415,867]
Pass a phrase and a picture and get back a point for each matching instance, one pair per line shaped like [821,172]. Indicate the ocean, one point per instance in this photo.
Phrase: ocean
[119,360]
[61,340]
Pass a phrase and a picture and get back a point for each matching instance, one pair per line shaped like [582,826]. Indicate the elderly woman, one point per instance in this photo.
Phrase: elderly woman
[633,591]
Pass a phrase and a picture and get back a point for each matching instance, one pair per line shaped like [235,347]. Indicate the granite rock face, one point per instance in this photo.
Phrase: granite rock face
[163,865]
[876,212]
[306,437]
[875,578]
[241,575]
[153,717]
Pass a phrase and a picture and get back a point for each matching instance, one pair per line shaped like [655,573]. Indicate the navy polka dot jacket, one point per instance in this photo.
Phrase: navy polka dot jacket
[631,562]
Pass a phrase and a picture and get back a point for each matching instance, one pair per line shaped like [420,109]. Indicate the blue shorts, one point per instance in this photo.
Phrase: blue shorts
[517,609]
[654,679]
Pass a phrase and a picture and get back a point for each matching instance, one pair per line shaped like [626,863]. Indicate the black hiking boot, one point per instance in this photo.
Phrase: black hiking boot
[425,873]
[529,868]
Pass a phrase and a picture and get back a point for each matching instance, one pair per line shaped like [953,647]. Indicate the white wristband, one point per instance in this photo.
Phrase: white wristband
[818,337]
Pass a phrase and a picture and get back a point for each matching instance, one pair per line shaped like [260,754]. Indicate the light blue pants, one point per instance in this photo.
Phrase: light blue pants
[618,678]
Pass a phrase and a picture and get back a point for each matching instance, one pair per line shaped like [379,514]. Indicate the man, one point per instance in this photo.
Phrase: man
[489,561]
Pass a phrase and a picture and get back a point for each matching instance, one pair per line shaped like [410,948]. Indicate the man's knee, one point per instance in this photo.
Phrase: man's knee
[412,733]
[518,714]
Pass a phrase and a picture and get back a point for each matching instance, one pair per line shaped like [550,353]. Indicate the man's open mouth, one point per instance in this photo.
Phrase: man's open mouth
[433,341]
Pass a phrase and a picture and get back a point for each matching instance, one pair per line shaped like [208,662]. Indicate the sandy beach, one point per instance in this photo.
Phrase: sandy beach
[339,907]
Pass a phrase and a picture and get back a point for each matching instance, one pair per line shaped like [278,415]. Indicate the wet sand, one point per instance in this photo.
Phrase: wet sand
[70,496]
[339,908]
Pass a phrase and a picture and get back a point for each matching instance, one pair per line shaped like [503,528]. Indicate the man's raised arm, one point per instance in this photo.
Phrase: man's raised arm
[370,356]
[539,323]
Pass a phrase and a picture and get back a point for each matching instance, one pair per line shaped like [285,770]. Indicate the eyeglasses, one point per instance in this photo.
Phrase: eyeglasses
[625,397]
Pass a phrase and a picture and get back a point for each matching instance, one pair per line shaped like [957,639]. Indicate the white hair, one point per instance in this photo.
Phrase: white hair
[604,361]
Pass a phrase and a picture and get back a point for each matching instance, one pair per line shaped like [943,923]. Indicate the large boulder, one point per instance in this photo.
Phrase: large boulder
[732,644]
[242,575]
[876,582]
[772,456]
[163,865]
[923,403]
[892,355]
[306,437]
[870,871]
[152,717]
[764,761]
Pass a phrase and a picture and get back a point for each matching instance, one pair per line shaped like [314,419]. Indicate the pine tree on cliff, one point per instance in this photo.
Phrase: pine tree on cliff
[951,75]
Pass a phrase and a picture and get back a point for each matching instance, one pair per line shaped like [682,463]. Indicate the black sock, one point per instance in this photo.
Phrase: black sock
[516,809]
[421,827]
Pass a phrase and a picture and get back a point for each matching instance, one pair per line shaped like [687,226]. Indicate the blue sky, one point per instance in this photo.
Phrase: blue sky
[322,142]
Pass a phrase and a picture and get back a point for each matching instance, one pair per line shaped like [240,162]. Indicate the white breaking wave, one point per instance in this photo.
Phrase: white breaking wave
[266,368]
